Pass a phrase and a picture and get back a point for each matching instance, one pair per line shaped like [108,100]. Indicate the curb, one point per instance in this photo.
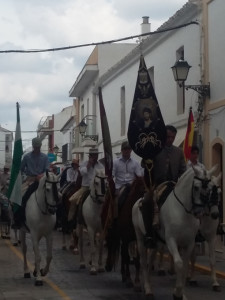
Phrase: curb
[206,270]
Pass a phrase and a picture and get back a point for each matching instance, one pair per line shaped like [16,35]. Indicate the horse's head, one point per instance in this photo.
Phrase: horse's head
[206,189]
[49,183]
[99,186]
[213,196]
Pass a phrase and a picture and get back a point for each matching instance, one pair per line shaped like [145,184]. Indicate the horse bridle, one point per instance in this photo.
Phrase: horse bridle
[50,209]
[203,196]
[97,197]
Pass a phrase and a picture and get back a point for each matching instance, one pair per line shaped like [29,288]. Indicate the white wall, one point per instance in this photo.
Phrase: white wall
[216,13]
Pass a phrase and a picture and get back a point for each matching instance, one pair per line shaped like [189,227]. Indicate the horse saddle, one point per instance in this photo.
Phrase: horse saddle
[162,191]
[80,219]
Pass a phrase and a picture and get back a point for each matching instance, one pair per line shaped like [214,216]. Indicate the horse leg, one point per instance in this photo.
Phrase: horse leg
[64,241]
[137,283]
[93,263]
[81,246]
[37,272]
[191,276]
[24,250]
[143,264]
[49,240]
[212,260]
[75,242]
[125,268]
[100,251]
[178,264]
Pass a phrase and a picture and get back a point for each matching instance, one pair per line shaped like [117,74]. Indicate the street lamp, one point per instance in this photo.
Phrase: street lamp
[180,73]
[83,127]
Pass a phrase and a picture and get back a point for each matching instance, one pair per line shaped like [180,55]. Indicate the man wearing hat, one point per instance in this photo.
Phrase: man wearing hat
[34,165]
[125,170]
[87,171]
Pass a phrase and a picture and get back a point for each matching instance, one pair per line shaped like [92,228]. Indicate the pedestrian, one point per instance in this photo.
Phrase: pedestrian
[34,165]
[87,171]
[4,179]
[168,165]
[193,161]
[125,170]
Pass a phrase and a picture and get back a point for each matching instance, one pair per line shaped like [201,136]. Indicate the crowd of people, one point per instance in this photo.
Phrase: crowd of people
[169,165]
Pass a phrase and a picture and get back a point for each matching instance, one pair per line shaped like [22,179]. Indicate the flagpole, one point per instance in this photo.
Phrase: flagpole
[107,146]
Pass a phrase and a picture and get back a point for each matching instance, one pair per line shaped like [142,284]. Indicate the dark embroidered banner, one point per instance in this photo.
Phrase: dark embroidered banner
[146,130]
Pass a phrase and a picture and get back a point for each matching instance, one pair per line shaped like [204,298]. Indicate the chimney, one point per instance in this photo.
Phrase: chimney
[145,27]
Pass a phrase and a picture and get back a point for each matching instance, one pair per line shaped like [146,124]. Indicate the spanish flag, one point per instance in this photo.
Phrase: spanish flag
[189,136]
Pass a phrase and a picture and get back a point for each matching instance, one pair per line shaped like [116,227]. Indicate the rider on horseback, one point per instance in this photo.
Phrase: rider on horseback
[87,171]
[168,165]
[34,165]
[125,170]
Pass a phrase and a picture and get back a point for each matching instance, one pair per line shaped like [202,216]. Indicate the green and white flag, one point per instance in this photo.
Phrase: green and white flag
[15,185]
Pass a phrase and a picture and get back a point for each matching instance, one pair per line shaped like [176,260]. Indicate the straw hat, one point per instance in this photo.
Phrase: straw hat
[93,151]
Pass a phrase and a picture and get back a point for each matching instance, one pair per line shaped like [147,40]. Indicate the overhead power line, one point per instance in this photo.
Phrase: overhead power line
[100,43]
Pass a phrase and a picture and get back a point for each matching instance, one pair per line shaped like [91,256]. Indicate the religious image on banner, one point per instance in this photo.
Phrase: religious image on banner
[146,130]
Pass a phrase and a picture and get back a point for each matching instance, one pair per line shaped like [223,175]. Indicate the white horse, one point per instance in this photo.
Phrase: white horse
[208,228]
[91,211]
[179,226]
[40,219]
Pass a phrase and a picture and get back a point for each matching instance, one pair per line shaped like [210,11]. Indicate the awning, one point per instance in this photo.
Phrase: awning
[181,132]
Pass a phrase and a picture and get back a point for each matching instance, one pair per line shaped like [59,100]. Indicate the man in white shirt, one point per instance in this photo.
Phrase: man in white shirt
[125,170]
[87,171]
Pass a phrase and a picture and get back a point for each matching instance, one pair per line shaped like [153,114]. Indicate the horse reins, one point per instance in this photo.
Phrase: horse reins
[103,190]
[50,209]
[205,183]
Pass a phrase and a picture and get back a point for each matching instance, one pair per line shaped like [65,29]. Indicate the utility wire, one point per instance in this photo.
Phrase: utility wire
[99,43]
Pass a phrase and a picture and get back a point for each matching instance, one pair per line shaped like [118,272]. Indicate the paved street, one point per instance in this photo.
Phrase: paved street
[66,281]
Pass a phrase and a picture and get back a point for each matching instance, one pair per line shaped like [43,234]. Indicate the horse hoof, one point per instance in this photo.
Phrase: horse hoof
[93,272]
[42,272]
[193,283]
[38,282]
[149,297]
[216,288]
[35,273]
[75,251]
[26,275]
[15,244]
[82,266]
[129,283]
[177,298]
[108,268]
[171,272]
[137,289]
[101,270]
[63,247]
[161,273]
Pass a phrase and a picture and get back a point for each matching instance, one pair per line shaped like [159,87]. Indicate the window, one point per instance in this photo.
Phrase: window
[122,111]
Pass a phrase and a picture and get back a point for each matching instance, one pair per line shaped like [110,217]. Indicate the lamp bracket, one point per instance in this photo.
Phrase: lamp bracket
[203,90]
[92,137]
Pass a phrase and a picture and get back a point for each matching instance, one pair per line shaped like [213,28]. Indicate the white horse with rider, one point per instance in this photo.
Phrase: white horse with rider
[91,213]
[40,221]
[179,221]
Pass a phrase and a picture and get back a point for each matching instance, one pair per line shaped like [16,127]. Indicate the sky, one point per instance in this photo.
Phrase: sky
[40,82]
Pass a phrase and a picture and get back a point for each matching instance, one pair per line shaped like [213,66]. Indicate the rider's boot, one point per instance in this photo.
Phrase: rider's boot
[147,214]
